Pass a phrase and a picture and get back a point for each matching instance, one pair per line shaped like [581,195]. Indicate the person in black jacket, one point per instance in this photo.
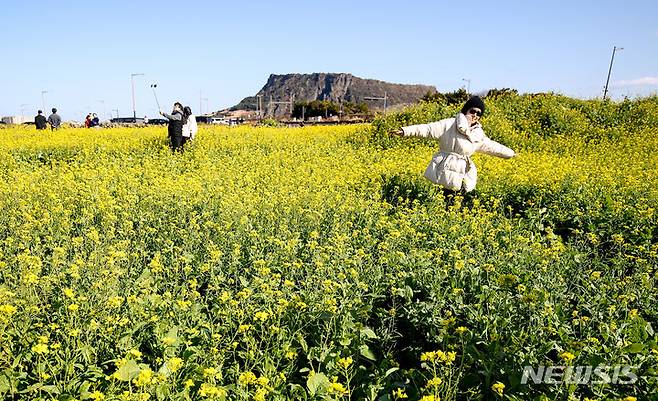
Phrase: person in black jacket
[40,120]
[175,128]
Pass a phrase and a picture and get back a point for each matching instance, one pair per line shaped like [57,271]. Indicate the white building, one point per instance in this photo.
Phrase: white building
[17,119]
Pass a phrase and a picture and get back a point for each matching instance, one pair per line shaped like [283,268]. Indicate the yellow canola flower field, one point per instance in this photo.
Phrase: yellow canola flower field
[317,263]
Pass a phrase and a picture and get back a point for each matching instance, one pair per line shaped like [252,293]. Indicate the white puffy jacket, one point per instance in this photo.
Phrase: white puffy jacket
[452,166]
[190,129]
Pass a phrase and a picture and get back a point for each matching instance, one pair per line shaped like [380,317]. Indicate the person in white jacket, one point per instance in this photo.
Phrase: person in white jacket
[459,137]
[189,127]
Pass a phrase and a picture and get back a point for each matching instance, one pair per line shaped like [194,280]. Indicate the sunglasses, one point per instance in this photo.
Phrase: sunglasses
[477,112]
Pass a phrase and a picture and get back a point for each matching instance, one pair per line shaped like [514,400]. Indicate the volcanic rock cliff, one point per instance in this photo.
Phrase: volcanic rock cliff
[335,87]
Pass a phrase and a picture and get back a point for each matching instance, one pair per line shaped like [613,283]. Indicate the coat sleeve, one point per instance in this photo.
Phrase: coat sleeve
[431,130]
[493,148]
[193,125]
[177,116]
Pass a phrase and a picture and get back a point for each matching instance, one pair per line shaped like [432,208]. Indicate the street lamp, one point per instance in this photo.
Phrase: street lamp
[23,109]
[103,103]
[201,100]
[614,49]
[43,100]
[468,81]
[132,82]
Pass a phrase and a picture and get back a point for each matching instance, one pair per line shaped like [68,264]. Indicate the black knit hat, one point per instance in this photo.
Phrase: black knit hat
[474,101]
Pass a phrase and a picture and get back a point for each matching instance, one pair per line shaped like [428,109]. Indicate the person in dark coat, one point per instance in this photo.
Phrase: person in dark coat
[175,128]
[54,120]
[40,120]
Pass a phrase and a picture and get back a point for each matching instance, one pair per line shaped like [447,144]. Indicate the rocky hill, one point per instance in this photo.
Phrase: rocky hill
[335,87]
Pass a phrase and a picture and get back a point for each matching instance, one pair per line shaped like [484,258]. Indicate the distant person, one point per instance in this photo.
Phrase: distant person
[88,121]
[40,120]
[54,120]
[189,125]
[175,128]
[146,120]
[459,137]
[95,122]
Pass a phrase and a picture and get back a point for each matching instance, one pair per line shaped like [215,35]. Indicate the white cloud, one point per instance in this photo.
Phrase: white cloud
[644,81]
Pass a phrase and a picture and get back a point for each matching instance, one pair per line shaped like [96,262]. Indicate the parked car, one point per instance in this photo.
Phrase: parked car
[157,121]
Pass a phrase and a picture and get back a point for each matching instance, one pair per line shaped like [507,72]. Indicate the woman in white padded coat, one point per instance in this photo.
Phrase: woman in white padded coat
[459,137]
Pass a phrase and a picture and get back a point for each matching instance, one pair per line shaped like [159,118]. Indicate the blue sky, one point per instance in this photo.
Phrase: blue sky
[83,53]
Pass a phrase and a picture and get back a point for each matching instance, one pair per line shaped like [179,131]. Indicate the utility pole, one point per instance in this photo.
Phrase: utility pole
[117,110]
[385,99]
[43,100]
[132,82]
[104,111]
[259,106]
[272,102]
[201,99]
[614,49]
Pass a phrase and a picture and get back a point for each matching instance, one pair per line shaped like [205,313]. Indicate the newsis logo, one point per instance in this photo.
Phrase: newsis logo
[621,374]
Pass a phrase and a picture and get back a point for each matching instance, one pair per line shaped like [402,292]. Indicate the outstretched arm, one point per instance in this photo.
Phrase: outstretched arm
[493,148]
[172,116]
[431,130]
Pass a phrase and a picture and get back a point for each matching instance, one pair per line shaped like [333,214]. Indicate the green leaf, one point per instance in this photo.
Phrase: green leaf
[635,348]
[345,341]
[5,384]
[369,333]
[317,383]
[367,353]
[127,372]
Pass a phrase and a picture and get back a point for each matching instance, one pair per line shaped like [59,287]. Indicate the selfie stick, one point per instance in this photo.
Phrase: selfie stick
[156,96]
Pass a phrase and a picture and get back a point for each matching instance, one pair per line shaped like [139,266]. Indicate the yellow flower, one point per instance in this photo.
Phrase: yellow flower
[40,348]
[261,316]
[210,372]
[430,398]
[498,388]
[345,362]
[175,364]
[73,308]
[211,391]
[337,388]
[434,382]
[144,378]
[399,394]
[97,396]
[7,309]
[247,378]
[461,330]
[567,356]
[135,353]
[260,394]
[629,398]
[115,302]
[69,293]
